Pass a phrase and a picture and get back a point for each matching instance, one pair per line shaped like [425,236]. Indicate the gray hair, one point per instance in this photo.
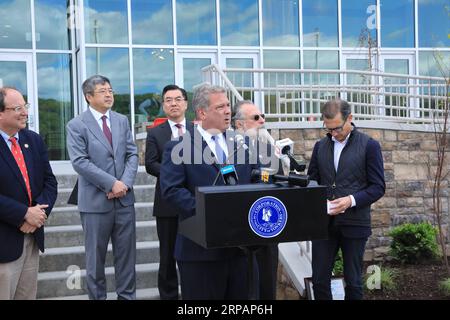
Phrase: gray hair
[200,99]
[331,108]
[90,83]
[237,111]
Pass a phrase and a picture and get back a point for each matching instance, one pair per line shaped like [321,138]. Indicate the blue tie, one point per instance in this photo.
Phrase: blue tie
[220,154]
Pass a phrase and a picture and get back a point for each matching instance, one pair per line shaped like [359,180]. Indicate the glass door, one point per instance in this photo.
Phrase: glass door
[397,89]
[247,81]
[191,64]
[16,71]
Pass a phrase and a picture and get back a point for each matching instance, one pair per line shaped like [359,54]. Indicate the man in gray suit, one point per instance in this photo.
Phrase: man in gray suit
[103,153]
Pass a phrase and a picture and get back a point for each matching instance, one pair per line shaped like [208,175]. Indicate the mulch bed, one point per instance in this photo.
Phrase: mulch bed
[414,282]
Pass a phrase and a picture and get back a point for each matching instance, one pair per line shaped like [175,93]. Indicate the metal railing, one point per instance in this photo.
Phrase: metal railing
[297,95]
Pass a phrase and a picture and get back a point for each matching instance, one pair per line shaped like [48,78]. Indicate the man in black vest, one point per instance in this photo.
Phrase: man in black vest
[350,163]
[175,106]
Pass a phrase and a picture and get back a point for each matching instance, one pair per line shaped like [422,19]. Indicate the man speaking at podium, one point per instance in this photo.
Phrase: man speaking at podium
[205,273]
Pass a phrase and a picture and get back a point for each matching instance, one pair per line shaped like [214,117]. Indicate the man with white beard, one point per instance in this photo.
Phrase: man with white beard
[248,120]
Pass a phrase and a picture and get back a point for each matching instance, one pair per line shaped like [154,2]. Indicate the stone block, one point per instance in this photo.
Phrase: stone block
[293,134]
[400,156]
[410,172]
[311,134]
[390,135]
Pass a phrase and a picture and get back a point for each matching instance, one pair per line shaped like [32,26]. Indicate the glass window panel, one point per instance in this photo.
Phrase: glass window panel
[112,63]
[320,23]
[192,75]
[315,59]
[196,22]
[153,70]
[15,24]
[55,101]
[239,22]
[152,21]
[14,74]
[106,21]
[358,23]
[281,59]
[52,24]
[434,23]
[280,23]
[400,66]
[434,64]
[397,23]
[192,71]
[241,79]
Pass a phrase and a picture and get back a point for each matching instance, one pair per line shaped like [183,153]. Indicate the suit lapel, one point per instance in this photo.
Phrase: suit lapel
[166,132]
[11,162]
[27,147]
[93,126]
[114,130]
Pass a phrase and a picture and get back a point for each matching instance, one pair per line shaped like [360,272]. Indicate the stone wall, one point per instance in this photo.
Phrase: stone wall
[407,155]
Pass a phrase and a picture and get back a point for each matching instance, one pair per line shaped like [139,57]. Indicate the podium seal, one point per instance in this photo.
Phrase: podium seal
[267,217]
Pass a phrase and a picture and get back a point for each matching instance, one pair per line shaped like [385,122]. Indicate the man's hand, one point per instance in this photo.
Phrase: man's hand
[119,190]
[339,205]
[27,228]
[36,216]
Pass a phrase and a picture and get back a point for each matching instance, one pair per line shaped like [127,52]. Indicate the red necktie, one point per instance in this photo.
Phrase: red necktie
[18,156]
[106,130]
[180,129]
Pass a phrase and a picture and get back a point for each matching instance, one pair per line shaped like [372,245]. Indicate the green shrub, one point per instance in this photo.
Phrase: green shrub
[444,286]
[414,243]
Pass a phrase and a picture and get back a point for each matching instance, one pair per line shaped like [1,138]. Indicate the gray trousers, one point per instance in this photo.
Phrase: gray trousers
[18,278]
[119,225]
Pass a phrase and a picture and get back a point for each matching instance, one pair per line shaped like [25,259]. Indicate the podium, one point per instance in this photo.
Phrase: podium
[224,217]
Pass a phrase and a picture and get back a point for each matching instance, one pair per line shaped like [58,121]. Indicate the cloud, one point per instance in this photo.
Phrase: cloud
[242,32]
[111,26]
[149,30]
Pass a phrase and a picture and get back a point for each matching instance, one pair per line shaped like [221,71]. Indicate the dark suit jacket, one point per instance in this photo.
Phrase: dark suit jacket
[178,184]
[13,193]
[156,140]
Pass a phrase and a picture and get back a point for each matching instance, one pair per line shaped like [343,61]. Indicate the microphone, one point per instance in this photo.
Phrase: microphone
[286,150]
[231,174]
[293,179]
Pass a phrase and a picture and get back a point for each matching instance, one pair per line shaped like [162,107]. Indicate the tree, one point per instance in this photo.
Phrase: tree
[442,137]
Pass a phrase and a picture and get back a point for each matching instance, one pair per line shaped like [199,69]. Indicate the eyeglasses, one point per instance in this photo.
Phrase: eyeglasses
[19,109]
[104,91]
[257,116]
[171,100]
[337,129]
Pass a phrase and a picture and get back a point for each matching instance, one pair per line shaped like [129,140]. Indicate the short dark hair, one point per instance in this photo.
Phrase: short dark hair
[3,92]
[90,83]
[331,108]
[171,87]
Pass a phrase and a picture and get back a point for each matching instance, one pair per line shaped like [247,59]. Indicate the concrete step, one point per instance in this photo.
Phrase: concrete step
[72,235]
[68,180]
[142,193]
[61,283]
[69,215]
[141,294]
[58,259]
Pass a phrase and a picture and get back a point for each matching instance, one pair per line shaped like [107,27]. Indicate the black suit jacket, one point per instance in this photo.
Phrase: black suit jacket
[14,200]
[157,138]
[178,184]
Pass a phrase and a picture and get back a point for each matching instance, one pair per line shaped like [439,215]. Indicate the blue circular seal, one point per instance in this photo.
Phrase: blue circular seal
[267,217]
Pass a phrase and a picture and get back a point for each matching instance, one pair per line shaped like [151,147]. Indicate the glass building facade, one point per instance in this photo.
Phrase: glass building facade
[48,47]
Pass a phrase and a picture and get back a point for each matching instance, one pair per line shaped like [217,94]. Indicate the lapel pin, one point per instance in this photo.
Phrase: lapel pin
[26,145]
